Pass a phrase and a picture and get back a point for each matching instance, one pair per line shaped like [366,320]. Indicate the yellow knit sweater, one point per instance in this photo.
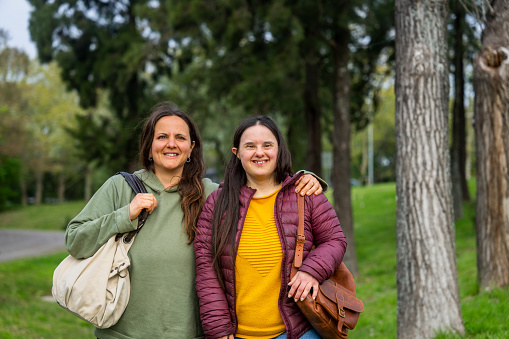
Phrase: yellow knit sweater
[258,272]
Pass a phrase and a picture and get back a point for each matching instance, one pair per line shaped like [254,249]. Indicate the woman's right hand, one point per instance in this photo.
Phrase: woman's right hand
[230,336]
[140,202]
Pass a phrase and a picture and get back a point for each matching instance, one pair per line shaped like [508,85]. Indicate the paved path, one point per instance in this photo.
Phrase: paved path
[15,244]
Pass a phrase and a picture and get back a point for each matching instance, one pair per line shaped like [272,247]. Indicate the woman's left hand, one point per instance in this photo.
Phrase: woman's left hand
[301,284]
[308,184]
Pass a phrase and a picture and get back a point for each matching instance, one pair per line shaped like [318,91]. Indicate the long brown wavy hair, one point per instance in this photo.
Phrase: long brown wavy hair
[190,187]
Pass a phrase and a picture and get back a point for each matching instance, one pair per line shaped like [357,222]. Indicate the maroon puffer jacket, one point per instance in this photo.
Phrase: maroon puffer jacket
[322,229]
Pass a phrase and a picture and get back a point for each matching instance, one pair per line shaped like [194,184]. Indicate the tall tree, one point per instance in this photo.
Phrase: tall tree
[52,110]
[14,66]
[428,295]
[491,86]
[99,45]
[338,16]
[340,39]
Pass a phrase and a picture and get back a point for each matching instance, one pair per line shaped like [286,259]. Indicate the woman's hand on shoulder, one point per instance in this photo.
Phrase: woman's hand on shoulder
[307,185]
[301,284]
[140,202]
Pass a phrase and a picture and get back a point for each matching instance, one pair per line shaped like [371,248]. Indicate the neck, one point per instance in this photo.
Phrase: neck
[263,187]
[168,179]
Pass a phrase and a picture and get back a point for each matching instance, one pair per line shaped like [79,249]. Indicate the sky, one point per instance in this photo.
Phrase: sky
[14,16]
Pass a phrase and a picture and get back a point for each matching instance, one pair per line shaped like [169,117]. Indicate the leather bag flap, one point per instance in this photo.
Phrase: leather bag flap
[335,293]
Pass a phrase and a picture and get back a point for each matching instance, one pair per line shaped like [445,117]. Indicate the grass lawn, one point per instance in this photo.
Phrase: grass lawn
[42,217]
[24,314]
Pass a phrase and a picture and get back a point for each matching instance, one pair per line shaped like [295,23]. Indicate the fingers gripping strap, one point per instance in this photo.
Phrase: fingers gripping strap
[138,187]
[300,239]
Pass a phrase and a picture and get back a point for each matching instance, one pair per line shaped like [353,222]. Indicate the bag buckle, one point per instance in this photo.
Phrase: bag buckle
[341,312]
[301,238]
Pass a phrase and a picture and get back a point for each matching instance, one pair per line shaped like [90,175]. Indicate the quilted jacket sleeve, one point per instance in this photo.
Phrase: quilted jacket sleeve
[328,238]
[214,311]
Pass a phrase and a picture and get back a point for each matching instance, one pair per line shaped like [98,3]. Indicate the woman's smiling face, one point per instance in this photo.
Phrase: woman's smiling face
[171,146]
[258,150]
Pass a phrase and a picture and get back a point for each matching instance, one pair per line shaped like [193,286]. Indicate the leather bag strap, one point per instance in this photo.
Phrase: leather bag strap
[301,238]
[138,187]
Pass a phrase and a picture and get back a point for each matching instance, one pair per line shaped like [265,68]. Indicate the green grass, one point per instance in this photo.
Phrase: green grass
[23,314]
[23,311]
[42,217]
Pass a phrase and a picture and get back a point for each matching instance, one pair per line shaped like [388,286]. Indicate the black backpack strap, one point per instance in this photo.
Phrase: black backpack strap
[138,187]
[133,181]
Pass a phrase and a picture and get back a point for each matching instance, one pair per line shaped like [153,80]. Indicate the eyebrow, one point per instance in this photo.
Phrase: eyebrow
[176,134]
[252,142]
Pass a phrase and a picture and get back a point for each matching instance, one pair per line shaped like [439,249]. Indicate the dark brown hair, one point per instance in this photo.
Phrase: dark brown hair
[190,187]
[226,208]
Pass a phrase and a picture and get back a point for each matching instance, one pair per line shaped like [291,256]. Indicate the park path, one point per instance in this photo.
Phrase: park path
[15,244]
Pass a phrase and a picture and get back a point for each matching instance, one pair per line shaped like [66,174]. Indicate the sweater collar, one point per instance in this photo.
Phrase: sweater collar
[150,179]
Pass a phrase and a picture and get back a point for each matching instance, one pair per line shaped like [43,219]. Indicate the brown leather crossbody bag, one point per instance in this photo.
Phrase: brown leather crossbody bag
[336,309]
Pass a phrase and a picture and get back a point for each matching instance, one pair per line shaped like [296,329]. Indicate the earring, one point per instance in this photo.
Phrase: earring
[150,159]
[188,160]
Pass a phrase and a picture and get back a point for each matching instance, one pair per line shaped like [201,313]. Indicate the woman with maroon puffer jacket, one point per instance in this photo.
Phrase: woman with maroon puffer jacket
[245,243]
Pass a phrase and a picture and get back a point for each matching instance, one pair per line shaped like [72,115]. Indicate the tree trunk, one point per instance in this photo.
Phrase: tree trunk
[341,145]
[296,143]
[39,176]
[365,155]
[88,182]
[23,185]
[458,117]
[61,187]
[491,86]
[428,295]
[312,111]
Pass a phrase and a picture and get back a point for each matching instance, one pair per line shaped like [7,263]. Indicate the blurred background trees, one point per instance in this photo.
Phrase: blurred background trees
[324,70]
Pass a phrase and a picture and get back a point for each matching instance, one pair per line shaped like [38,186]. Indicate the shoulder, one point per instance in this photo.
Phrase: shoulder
[209,186]
[114,182]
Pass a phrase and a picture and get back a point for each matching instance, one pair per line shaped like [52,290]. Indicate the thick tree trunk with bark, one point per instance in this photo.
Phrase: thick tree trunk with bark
[491,86]
[428,295]
[341,146]
[313,113]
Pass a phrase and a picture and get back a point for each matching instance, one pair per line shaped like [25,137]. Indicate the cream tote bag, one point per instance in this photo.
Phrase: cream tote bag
[96,289]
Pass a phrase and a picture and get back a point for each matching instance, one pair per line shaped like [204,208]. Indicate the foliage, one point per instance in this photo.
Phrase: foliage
[9,173]
[52,109]
[36,109]
[98,45]
[384,143]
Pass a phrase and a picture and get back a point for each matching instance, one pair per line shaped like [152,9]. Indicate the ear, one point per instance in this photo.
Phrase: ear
[234,150]
[191,150]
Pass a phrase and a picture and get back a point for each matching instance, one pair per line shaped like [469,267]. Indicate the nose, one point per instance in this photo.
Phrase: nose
[259,151]
[171,142]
